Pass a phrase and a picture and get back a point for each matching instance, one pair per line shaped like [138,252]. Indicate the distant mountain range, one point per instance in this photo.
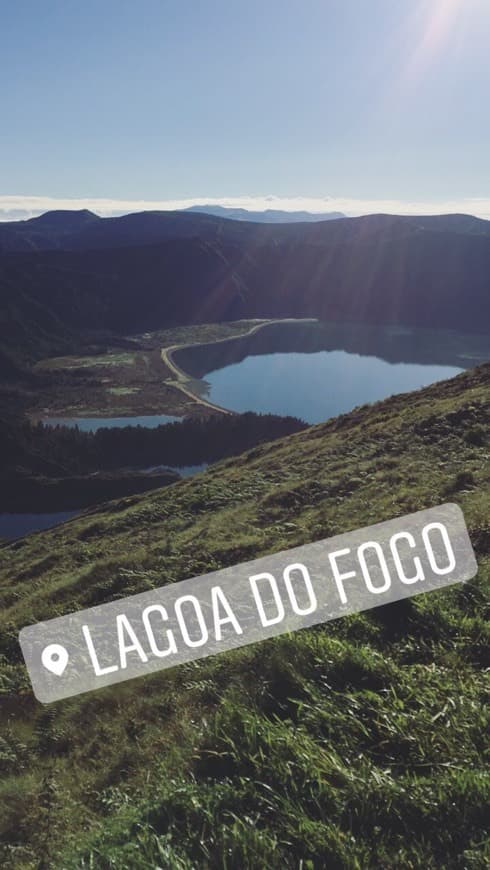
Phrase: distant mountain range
[84,230]
[269,216]
[154,269]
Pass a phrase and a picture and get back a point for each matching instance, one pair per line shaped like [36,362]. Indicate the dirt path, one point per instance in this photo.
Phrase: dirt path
[183,381]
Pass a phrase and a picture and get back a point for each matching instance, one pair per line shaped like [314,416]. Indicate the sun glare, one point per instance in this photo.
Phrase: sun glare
[438,20]
[437,23]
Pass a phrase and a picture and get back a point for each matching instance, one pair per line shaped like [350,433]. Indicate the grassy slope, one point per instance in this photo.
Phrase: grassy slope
[119,382]
[356,744]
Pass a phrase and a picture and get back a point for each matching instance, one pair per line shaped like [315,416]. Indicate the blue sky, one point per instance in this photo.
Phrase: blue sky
[160,101]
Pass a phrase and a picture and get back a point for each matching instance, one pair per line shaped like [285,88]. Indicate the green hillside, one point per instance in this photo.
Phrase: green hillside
[352,745]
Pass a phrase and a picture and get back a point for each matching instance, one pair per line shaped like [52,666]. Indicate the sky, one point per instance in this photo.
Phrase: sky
[350,105]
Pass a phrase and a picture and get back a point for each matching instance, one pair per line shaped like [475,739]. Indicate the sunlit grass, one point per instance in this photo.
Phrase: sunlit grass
[356,744]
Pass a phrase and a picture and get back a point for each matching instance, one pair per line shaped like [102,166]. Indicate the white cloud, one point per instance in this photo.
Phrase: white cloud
[21,207]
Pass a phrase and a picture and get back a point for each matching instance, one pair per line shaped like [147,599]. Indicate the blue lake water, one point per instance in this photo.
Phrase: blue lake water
[13,526]
[183,470]
[316,386]
[310,370]
[319,370]
[17,525]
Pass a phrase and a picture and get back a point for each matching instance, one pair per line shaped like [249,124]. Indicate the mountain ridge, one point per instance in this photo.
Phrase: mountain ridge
[431,279]
[269,215]
[83,230]
[380,269]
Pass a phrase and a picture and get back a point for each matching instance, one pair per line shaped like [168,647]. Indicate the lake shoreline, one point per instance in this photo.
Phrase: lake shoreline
[130,381]
[185,380]
[153,375]
[315,370]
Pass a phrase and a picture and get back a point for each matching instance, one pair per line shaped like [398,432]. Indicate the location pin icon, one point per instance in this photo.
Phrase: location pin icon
[55,658]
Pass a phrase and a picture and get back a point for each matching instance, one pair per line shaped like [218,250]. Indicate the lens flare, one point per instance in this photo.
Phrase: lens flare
[438,21]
